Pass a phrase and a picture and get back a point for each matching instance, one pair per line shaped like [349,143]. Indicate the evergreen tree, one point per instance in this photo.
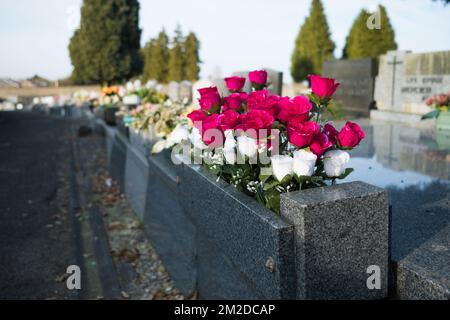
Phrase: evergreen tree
[191,57]
[106,46]
[176,57]
[313,45]
[156,56]
[363,42]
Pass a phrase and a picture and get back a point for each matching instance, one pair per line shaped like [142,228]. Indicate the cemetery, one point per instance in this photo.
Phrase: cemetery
[246,186]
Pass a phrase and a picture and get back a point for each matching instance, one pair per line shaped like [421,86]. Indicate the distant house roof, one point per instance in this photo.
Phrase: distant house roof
[9,83]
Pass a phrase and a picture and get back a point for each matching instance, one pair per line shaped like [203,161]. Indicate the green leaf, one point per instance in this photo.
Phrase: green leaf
[431,115]
[271,183]
[346,173]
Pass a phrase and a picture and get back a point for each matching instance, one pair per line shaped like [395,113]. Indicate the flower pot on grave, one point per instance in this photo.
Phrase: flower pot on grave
[109,114]
[443,121]
[320,247]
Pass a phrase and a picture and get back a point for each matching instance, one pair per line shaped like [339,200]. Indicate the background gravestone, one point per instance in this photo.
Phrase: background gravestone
[186,90]
[406,79]
[174,91]
[357,78]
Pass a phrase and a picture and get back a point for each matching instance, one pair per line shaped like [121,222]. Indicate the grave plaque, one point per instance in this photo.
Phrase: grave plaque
[406,80]
[357,77]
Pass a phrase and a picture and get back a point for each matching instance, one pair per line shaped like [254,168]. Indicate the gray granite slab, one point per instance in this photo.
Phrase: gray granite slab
[340,231]
[243,231]
[424,274]
[218,277]
[172,232]
[136,180]
[116,165]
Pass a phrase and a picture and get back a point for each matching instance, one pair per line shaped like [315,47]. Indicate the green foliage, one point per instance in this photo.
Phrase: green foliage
[191,57]
[176,57]
[106,47]
[363,42]
[174,60]
[313,45]
[156,55]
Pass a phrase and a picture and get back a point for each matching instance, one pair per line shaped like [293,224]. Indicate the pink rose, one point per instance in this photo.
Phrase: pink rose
[235,84]
[331,132]
[323,87]
[196,117]
[233,102]
[228,120]
[210,130]
[301,134]
[261,100]
[296,109]
[319,144]
[256,119]
[209,98]
[258,77]
[350,135]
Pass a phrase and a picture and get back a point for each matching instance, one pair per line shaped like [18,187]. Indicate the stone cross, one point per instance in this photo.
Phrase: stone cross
[394,63]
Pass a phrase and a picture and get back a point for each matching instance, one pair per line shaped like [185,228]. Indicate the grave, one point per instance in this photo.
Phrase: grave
[186,90]
[174,91]
[405,80]
[357,78]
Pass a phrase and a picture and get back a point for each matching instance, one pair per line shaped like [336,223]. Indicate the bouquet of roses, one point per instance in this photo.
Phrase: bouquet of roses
[440,103]
[265,144]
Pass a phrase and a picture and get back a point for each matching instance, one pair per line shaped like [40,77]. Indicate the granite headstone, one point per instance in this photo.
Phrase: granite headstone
[357,78]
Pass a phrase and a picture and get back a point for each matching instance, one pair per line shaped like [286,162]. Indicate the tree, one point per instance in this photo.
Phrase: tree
[191,57]
[106,46]
[156,56]
[313,45]
[364,42]
[176,57]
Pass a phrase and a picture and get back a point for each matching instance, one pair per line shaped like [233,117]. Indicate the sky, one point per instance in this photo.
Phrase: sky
[235,34]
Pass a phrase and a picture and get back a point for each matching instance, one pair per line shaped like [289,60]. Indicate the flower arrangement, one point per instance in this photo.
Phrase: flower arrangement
[109,97]
[440,103]
[263,144]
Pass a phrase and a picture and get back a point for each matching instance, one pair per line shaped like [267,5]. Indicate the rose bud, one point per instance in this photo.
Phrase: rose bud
[296,109]
[301,134]
[335,162]
[233,102]
[235,84]
[323,87]
[209,98]
[331,132]
[282,166]
[304,163]
[320,143]
[258,79]
[350,135]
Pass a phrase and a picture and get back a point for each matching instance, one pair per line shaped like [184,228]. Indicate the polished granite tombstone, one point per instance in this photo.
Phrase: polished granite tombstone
[357,78]
[413,165]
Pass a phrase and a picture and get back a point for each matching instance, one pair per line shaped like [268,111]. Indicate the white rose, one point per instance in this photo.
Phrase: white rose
[335,162]
[179,134]
[129,86]
[304,163]
[247,146]
[229,147]
[137,84]
[196,139]
[282,166]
